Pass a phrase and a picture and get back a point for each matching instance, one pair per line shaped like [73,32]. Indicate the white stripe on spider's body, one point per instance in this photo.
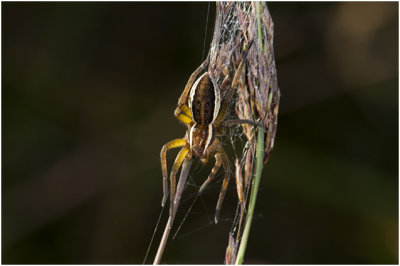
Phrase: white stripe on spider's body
[193,91]
[209,136]
[217,101]
[191,136]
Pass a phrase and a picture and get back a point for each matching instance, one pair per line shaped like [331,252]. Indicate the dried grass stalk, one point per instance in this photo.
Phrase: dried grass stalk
[239,25]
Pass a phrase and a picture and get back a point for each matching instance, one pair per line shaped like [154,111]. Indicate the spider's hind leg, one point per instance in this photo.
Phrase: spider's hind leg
[224,186]
[218,162]
[225,164]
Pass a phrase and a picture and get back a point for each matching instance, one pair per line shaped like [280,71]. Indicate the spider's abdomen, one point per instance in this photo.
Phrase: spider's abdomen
[204,100]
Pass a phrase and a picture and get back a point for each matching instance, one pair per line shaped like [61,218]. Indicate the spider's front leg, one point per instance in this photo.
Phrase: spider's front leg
[176,143]
[184,153]
[182,107]
[183,114]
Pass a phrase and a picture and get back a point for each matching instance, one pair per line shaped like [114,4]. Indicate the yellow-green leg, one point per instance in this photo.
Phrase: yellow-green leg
[183,114]
[177,164]
[176,143]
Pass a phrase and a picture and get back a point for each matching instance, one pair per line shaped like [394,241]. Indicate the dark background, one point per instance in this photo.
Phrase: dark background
[88,94]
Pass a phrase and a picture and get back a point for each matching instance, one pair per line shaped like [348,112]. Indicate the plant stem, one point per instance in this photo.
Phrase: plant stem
[258,8]
[179,190]
[253,195]
[259,164]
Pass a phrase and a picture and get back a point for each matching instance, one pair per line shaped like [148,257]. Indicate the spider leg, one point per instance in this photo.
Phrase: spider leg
[184,114]
[238,73]
[230,88]
[229,94]
[183,98]
[225,182]
[240,122]
[186,110]
[205,159]
[177,164]
[218,162]
[222,113]
[176,143]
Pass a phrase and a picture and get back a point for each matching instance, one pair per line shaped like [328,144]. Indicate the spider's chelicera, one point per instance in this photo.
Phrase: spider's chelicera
[201,109]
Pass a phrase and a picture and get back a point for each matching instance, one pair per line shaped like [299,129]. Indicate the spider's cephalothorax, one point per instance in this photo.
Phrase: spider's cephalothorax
[204,102]
[202,110]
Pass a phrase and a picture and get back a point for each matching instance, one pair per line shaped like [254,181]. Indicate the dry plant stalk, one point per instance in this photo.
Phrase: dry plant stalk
[237,24]
[181,186]
[258,93]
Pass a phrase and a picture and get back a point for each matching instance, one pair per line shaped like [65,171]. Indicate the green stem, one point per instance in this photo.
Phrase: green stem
[259,164]
[253,195]
[258,8]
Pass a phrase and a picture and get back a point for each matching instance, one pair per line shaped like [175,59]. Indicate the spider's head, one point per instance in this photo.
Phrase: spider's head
[200,139]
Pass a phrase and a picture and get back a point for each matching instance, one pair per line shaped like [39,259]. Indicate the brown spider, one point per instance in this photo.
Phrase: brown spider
[203,115]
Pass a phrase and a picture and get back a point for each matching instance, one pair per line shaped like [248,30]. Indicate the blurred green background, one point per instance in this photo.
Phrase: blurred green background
[88,94]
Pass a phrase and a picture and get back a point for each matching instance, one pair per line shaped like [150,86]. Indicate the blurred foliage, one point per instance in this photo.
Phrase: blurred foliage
[88,93]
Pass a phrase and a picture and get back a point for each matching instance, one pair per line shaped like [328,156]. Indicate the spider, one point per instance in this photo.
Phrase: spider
[201,109]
